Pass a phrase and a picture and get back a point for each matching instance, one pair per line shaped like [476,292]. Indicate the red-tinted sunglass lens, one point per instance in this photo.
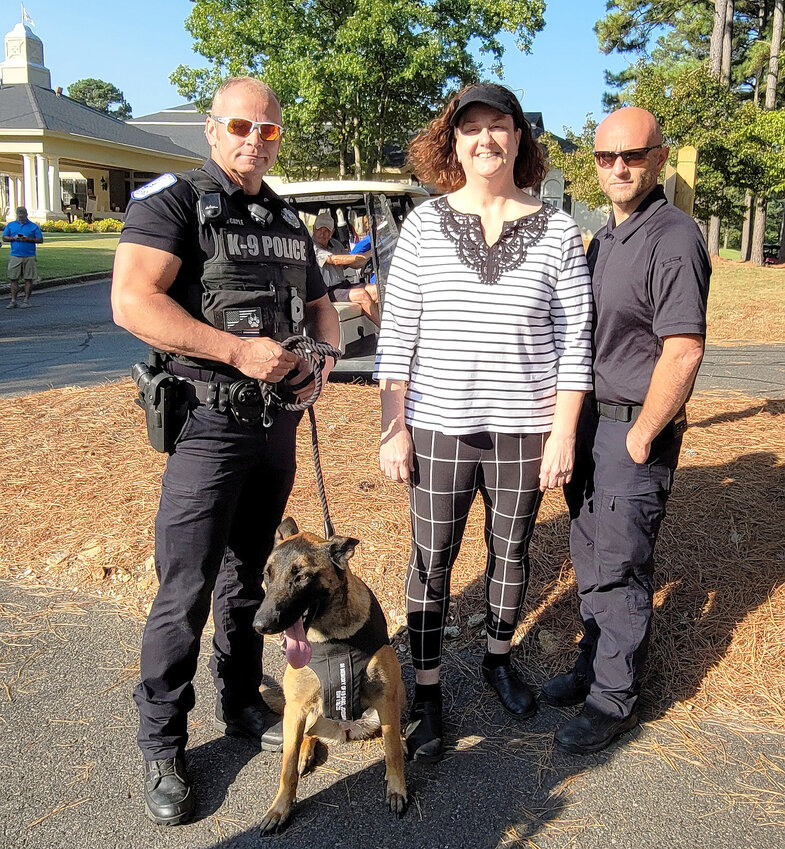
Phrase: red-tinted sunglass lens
[239,127]
[269,132]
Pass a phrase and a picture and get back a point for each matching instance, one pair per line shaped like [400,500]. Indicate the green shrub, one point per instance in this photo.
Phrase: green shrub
[108,225]
[105,225]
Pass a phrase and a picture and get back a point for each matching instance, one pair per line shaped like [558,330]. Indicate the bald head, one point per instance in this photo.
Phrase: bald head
[626,184]
[249,84]
[626,129]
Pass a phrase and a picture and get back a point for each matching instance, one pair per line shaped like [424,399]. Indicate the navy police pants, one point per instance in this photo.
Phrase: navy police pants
[616,508]
[222,497]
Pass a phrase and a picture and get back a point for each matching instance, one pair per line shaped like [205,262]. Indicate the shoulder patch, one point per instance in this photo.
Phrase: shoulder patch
[152,188]
[290,218]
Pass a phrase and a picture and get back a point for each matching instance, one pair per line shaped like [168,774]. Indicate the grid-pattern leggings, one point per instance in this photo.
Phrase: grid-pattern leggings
[448,472]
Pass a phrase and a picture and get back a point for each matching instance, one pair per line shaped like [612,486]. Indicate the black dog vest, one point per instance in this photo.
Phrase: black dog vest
[341,664]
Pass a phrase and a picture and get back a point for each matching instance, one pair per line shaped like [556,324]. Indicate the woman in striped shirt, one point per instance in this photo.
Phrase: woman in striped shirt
[484,357]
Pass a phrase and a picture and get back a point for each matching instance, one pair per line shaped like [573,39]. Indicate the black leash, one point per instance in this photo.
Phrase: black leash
[329,530]
[314,352]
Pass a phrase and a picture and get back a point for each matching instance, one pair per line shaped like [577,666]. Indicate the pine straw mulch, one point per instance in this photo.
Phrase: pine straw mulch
[80,489]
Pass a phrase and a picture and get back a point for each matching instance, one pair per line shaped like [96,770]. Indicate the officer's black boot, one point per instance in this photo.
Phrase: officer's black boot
[168,796]
[569,688]
[592,730]
[254,722]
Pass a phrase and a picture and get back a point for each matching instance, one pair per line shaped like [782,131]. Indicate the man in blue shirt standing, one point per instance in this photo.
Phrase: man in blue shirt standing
[23,235]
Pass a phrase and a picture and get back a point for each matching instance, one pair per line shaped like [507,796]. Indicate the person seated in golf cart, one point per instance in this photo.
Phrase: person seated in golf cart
[334,260]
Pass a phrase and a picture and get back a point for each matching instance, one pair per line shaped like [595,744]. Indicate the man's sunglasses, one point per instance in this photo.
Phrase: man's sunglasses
[243,128]
[637,156]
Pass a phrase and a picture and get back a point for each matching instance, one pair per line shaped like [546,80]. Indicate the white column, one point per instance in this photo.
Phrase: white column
[55,193]
[42,169]
[20,197]
[28,167]
[12,204]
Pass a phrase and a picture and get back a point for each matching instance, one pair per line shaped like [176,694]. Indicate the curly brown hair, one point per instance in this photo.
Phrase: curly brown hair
[432,152]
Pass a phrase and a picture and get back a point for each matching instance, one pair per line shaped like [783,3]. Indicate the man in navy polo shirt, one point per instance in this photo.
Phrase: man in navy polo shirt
[23,235]
[650,279]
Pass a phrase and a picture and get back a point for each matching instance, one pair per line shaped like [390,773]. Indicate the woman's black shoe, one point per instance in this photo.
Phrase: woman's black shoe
[514,694]
[423,732]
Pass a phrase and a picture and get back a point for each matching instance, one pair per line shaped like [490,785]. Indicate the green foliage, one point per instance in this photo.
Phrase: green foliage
[577,165]
[739,145]
[353,76]
[101,95]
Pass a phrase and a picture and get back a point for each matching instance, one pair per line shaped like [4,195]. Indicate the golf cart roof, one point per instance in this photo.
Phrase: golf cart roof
[345,191]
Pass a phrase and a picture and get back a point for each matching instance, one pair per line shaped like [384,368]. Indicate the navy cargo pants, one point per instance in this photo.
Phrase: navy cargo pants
[616,508]
[222,497]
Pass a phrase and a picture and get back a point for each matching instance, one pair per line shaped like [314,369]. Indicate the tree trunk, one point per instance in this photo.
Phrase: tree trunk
[727,43]
[781,257]
[358,157]
[702,227]
[713,241]
[759,230]
[774,54]
[717,36]
[749,200]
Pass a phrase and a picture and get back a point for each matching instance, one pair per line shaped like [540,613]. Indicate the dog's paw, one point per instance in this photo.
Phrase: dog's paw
[275,819]
[307,759]
[397,800]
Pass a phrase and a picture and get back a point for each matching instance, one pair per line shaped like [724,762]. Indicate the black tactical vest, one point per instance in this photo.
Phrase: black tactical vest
[255,282]
[341,664]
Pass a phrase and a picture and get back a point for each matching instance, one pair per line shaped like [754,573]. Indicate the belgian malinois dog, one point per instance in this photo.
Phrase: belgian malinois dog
[332,621]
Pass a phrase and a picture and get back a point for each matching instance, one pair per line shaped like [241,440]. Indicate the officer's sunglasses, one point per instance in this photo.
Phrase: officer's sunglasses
[243,128]
[635,157]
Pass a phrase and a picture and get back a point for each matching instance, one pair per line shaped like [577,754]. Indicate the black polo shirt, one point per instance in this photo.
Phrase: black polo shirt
[650,279]
[166,219]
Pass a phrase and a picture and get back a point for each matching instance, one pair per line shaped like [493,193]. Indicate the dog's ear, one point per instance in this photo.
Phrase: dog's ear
[340,549]
[287,528]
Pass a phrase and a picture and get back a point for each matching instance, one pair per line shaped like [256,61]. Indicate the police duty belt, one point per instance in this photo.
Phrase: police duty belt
[253,402]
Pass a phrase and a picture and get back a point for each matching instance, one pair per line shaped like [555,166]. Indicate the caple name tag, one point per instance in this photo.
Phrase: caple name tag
[155,186]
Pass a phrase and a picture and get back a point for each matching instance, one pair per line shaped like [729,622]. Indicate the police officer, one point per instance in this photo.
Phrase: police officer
[650,279]
[210,267]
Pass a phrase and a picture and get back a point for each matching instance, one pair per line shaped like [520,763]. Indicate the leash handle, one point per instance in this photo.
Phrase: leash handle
[329,530]
[315,352]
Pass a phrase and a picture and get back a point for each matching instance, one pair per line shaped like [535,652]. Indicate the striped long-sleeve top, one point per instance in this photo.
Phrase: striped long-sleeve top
[486,336]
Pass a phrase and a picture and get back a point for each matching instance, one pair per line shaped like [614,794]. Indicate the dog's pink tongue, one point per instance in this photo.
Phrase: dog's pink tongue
[296,645]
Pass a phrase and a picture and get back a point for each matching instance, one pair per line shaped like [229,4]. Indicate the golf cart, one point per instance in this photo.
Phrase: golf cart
[358,206]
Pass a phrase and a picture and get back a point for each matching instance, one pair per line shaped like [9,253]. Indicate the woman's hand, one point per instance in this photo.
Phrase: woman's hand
[558,459]
[396,456]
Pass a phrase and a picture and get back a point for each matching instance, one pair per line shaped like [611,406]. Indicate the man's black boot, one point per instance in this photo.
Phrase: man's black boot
[569,688]
[423,732]
[168,796]
[591,730]
[513,692]
[254,722]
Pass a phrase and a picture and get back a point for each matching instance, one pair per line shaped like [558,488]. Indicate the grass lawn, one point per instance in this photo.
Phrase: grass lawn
[68,254]
[746,303]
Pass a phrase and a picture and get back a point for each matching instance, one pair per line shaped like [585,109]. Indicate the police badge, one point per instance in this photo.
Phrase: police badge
[290,218]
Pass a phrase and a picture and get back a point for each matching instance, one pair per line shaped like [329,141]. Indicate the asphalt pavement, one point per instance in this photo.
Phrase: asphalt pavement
[72,774]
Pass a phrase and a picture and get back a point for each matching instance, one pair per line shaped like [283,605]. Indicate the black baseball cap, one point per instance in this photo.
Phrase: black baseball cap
[490,94]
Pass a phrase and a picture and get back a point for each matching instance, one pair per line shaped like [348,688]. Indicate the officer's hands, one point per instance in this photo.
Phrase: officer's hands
[303,373]
[264,359]
[558,459]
